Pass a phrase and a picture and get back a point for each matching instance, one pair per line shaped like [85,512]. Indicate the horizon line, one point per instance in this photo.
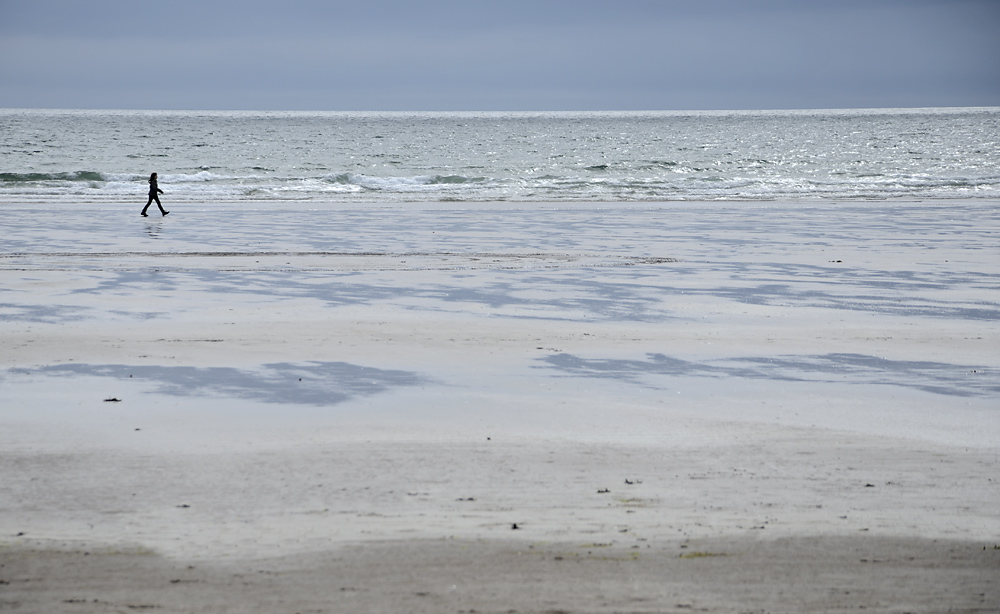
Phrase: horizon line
[501,111]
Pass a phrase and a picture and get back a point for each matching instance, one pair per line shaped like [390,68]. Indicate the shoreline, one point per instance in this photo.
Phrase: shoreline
[355,202]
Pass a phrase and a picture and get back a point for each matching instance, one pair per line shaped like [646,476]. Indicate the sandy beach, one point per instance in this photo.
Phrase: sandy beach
[453,407]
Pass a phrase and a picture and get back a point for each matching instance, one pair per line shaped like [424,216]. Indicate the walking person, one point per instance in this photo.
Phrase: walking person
[154,194]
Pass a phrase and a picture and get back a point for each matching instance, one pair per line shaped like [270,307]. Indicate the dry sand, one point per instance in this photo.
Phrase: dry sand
[495,408]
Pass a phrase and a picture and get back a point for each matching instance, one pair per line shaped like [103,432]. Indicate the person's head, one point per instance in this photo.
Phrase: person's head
[152,177]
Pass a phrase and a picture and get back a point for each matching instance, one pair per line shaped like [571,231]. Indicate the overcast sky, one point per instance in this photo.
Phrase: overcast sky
[499,55]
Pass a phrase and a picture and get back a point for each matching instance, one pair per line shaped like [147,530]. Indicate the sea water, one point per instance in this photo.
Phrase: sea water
[86,156]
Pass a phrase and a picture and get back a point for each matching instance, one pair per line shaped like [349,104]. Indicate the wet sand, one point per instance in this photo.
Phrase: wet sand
[720,407]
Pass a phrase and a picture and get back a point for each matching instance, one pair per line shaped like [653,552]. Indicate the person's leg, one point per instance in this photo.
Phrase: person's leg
[160,206]
[148,202]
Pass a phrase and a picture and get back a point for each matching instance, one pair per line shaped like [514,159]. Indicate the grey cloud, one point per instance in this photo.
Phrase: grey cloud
[450,55]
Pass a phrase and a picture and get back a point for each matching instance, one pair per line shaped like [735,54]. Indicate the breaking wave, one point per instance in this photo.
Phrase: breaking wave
[609,157]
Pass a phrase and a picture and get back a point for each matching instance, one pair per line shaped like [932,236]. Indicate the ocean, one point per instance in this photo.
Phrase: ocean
[89,156]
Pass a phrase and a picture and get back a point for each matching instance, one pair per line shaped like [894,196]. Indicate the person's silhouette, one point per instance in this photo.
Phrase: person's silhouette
[154,194]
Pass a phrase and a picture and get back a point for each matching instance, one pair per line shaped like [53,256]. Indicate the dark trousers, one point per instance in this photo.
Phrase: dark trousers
[153,197]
